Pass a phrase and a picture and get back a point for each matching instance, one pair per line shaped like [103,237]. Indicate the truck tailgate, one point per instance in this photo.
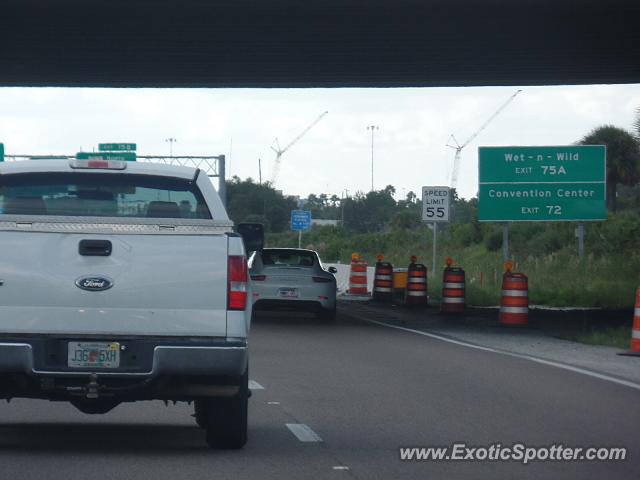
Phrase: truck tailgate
[161,284]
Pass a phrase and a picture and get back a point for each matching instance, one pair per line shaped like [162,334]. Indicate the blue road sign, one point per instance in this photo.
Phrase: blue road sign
[300,220]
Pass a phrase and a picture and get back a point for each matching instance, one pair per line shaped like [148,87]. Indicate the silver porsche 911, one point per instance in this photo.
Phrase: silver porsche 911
[292,279]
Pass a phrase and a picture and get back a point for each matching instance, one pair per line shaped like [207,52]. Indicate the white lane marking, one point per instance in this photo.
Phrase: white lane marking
[273,403]
[341,467]
[542,361]
[303,432]
[253,385]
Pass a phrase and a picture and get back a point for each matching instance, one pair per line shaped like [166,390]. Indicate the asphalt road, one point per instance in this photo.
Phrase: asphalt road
[365,390]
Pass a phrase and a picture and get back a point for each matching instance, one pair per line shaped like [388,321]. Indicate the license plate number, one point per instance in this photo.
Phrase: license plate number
[289,292]
[94,354]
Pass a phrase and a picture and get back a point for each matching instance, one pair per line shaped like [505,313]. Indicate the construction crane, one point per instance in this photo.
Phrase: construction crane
[458,148]
[280,151]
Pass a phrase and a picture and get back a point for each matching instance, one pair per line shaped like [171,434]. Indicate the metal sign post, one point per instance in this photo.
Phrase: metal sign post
[505,242]
[580,235]
[300,222]
[435,208]
[435,239]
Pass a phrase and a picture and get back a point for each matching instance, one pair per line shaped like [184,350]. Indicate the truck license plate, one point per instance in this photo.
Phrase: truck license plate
[94,354]
[289,292]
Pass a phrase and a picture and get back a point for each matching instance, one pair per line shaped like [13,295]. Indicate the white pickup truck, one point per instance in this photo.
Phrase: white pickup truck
[119,282]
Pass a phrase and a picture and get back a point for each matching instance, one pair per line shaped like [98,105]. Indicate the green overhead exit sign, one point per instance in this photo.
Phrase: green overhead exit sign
[559,183]
[117,147]
[1,152]
[106,156]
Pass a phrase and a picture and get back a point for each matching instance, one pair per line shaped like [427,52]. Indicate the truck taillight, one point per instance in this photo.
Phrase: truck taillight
[237,283]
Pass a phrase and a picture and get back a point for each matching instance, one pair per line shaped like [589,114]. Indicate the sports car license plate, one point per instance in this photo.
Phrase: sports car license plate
[93,354]
[289,292]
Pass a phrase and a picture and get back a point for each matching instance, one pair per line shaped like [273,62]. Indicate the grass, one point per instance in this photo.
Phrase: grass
[618,337]
[557,277]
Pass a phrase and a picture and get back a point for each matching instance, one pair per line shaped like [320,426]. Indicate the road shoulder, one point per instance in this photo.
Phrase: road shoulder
[481,330]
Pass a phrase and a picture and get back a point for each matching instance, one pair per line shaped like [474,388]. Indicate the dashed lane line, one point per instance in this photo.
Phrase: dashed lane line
[303,432]
[253,385]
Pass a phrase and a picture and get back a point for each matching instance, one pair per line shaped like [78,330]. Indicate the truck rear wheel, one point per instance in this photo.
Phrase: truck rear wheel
[226,418]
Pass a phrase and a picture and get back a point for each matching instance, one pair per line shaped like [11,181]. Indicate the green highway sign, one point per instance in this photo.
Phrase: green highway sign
[119,156]
[117,147]
[564,183]
[1,152]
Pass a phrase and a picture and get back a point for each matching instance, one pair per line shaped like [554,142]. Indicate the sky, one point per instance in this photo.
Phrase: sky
[334,157]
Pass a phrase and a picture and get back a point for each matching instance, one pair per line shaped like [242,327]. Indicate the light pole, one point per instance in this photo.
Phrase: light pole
[373,128]
[171,141]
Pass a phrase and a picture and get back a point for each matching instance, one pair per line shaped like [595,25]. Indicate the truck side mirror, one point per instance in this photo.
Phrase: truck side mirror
[252,234]
[333,270]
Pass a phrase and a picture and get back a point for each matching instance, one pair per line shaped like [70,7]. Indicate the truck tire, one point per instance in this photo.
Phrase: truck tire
[226,418]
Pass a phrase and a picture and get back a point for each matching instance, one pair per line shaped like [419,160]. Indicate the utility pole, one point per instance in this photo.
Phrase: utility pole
[373,128]
[171,141]
[342,206]
[229,157]
[222,179]
[260,170]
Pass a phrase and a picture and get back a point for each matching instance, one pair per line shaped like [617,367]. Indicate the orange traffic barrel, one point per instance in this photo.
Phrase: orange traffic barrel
[453,286]
[514,306]
[383,282]
[358,278]
[635,332]
[416,290]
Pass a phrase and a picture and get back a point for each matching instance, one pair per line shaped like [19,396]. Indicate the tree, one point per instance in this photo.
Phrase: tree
[623,158]
[252,202]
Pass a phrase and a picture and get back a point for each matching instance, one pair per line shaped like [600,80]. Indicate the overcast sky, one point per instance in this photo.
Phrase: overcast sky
[414,126]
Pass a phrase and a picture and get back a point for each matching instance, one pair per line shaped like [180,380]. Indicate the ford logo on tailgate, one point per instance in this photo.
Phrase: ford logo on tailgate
[94,283]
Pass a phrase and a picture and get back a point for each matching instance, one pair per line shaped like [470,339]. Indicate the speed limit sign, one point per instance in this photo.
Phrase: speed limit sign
[435,204]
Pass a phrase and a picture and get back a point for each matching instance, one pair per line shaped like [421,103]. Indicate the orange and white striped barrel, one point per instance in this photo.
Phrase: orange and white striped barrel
[416,290]
[383,282]
[453,288]
[635,332]
[514,306]
[358,278]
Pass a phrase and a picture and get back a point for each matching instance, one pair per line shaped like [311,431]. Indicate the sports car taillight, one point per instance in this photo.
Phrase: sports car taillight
[237,283]
[322,280]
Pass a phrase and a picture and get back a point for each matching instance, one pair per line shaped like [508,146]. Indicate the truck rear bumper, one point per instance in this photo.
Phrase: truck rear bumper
[221,358]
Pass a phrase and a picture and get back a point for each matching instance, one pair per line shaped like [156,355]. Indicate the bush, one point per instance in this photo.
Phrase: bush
[493,241]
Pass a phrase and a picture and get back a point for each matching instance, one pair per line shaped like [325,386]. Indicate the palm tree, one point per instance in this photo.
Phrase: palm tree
[623,158]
